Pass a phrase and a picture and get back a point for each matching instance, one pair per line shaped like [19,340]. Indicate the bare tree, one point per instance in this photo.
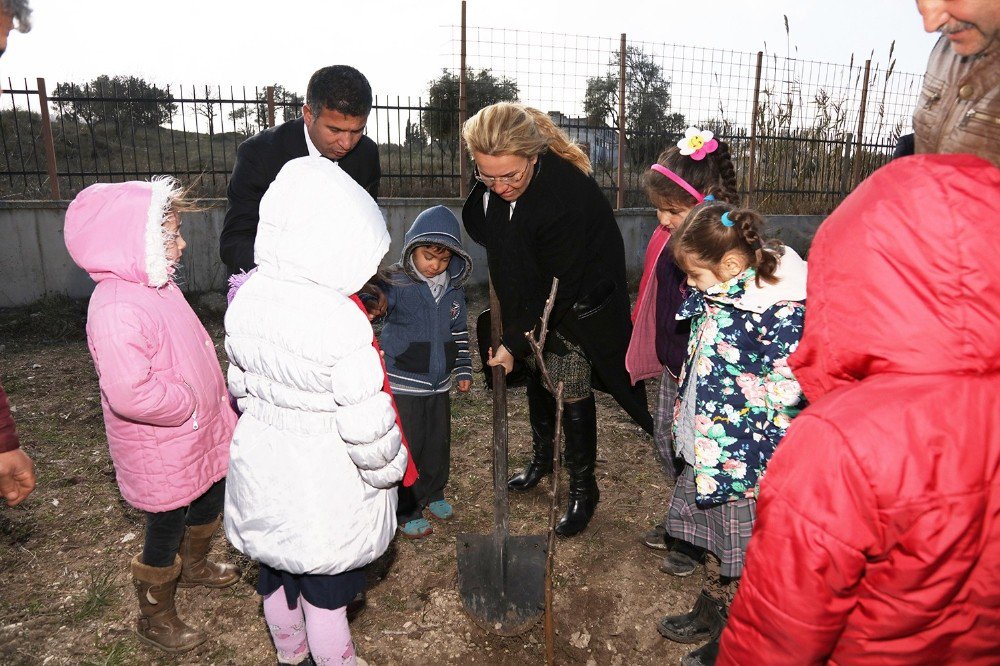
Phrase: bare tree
[209,109]
[648,118]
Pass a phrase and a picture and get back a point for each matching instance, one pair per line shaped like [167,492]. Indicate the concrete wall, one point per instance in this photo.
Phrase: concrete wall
[34,262]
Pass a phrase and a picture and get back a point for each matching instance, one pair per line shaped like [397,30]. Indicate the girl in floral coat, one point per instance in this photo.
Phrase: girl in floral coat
[736,397]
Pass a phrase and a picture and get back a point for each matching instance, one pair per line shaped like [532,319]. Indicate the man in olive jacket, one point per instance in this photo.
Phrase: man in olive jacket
[959,107]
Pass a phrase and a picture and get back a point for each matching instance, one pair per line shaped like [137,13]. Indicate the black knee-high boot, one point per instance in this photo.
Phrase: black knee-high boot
[580,426]
[542,415]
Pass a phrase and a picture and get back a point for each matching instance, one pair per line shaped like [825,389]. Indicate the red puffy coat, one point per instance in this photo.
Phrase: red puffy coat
[878,531]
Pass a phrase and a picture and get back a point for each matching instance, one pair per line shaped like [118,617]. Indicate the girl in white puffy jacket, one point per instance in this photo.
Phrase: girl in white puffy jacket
[316,455]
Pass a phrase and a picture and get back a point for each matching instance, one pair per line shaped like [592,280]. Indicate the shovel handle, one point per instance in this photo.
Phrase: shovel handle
[501,508]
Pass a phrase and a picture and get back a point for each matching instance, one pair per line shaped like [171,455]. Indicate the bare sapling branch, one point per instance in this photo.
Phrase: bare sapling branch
[537,345]
[546,313]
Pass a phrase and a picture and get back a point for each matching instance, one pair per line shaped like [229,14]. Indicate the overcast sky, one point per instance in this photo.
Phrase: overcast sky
[402,44]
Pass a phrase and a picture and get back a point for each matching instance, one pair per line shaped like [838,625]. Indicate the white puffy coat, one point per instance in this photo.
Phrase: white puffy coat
[316,454]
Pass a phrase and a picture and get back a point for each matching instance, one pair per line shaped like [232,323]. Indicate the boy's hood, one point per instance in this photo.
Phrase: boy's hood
[438,226]
[903,276]
[317,225]
[115,230]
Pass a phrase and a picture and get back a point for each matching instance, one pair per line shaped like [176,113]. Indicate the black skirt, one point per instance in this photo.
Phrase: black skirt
[323,591]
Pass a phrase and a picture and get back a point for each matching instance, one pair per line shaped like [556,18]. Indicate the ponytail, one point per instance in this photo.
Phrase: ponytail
[507,128]
[749,224]
[726,187]
[715,175]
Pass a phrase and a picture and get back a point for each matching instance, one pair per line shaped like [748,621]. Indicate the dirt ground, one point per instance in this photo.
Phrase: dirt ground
[66,597]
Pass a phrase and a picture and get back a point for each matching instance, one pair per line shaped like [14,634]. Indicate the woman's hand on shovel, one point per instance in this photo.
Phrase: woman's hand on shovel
[502,358]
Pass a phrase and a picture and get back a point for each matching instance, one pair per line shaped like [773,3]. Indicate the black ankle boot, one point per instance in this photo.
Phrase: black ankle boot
[703,656]
[580,425]
[705,622]
[542,414]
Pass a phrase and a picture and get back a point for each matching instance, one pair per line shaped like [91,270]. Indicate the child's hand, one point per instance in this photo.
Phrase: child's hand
[374,301]
[464,385]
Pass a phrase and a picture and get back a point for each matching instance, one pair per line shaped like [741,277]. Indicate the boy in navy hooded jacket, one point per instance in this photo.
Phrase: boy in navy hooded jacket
[426,340]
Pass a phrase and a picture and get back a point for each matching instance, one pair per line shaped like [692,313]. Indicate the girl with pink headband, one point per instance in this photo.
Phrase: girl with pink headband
[697,169]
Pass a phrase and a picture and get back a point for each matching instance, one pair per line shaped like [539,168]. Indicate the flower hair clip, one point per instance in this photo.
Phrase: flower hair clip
[697,143]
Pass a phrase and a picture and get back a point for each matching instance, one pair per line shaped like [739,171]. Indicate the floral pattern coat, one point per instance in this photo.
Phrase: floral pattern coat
[746,396]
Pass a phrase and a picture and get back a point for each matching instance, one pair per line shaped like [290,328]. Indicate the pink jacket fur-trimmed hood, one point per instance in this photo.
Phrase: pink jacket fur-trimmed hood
[166,408]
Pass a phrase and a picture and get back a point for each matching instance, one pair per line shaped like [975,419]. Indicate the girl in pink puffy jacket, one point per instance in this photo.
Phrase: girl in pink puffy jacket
[166,408]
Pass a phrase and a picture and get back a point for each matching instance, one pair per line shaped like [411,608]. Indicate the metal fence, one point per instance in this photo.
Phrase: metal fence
[802,133]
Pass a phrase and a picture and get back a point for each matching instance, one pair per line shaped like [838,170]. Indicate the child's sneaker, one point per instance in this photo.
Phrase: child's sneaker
[656,538]
[416,529]
[678,564]
[441,510]
[683,559]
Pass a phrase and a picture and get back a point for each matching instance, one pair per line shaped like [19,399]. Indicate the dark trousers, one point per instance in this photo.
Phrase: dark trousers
[426,423]
[165,530]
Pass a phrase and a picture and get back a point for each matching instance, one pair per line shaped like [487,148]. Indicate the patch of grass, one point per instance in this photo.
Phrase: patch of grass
[119,653]
[15,533]
[54,433]
[52,318]
[100,593]
[393,603]
[623,523]
[12,384]
[36,607]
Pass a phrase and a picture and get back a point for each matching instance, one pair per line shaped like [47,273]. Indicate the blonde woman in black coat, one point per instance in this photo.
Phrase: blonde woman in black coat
[540,214]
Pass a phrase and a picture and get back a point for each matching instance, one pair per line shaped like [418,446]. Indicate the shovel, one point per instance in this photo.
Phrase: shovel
[501,577]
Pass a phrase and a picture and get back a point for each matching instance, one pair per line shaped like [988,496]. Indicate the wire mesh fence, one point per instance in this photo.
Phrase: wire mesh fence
[804,117]
[801,133]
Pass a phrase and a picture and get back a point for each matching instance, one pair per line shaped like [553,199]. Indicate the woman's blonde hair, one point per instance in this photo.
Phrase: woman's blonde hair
[508,128]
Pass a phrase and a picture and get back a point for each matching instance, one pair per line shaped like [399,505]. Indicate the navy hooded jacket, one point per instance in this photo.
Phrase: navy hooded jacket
[426,340]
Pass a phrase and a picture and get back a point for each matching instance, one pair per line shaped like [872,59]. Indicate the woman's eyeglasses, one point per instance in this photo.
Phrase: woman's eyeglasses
[490,181]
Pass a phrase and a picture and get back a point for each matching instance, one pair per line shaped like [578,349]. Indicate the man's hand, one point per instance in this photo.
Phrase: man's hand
[503,358]
[464,385]
[17,476]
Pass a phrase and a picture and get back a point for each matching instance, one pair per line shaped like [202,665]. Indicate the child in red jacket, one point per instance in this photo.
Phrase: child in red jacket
[878,535]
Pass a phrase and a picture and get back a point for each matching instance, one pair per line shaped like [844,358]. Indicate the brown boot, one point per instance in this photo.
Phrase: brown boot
[196,568]
[158,623]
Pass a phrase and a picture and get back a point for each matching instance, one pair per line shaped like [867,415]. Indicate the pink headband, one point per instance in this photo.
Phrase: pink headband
[659,168]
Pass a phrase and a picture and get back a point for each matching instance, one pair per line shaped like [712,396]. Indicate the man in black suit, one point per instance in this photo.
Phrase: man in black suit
[338,101]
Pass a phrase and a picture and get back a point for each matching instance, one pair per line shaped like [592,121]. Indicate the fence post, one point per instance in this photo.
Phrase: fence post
[751,169]
[845,167]
[50,146]
[620,178]
[463,114]
[856,171]
[270,106]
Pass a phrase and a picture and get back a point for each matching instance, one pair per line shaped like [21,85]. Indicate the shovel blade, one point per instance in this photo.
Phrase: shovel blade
[502,590]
